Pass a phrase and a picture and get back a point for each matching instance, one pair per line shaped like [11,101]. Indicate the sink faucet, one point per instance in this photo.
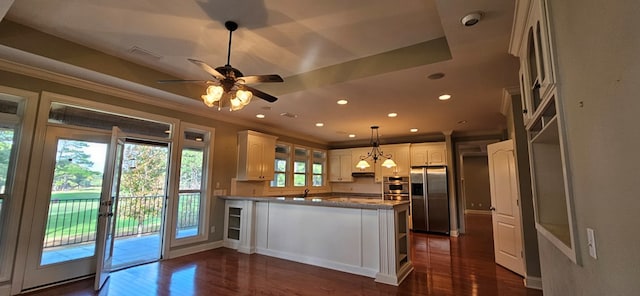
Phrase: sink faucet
[306,192]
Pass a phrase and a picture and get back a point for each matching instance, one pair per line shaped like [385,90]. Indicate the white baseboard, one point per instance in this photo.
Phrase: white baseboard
[480,212]
[195,249]
[319,262]
[533,282]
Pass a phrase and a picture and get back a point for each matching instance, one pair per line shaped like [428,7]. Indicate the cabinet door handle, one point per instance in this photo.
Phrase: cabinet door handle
[492,208]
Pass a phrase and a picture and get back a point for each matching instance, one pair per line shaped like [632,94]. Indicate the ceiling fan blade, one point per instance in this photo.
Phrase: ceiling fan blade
[260,94]
[182,81]
[261,78]
[207,68]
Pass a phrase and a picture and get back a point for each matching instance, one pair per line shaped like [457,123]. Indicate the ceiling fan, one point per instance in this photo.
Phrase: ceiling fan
[229,84]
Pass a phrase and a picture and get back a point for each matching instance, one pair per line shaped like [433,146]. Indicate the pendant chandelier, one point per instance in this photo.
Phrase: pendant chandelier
[375,153]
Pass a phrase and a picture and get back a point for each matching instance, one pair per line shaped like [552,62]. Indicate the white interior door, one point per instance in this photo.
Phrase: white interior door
[507,227]
[108,208]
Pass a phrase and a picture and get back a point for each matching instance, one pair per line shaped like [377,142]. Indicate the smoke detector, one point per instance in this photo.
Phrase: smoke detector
[471,18]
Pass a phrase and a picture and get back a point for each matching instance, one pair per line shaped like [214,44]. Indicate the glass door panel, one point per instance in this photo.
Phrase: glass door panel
[70,232]
[191,166]
[68,188]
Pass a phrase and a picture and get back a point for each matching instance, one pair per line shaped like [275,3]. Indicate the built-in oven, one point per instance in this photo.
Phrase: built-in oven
[395,188]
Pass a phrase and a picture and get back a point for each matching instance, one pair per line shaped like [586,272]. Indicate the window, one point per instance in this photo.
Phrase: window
[17,118]
[191,210]
[300,167]
[319,160]
[281,166]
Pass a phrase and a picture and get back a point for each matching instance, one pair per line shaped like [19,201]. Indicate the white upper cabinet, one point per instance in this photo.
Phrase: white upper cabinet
[340,165]
[400,155]
[543,117]
[256,156]
[356,155]
[426,154]
[534,49]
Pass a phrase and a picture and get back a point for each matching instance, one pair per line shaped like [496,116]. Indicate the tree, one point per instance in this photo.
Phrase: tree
[143,180]
[6,144]
[73,166]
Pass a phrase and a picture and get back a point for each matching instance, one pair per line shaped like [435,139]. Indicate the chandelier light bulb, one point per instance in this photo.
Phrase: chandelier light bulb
[214,94]
[244,96]
[362,164]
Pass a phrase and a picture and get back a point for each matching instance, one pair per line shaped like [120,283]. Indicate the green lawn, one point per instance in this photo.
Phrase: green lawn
[88,193]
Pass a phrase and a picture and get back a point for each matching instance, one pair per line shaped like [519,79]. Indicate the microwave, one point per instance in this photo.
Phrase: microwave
[396,186]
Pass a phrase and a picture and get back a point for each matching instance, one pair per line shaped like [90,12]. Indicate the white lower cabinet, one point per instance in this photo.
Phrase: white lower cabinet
[238,232]
[369,242]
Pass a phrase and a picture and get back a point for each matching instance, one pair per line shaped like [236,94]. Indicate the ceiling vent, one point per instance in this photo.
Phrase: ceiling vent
[141,52]
[290,115]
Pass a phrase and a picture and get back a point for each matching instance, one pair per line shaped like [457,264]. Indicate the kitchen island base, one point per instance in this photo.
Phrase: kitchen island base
[371,240]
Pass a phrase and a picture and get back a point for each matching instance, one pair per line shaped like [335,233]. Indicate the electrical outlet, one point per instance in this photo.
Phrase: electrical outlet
[213,228]
[591,242]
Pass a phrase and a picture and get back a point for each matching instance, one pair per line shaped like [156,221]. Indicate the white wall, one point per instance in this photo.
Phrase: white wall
[597,45]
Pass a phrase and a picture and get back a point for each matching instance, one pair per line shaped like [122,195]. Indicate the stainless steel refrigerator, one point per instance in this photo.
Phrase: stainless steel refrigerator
[430,199]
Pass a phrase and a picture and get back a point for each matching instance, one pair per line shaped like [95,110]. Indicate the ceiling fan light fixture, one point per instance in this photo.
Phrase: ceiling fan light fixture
[244,96]
[214,94]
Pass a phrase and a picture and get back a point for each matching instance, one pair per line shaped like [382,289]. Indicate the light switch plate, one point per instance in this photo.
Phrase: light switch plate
[591,242]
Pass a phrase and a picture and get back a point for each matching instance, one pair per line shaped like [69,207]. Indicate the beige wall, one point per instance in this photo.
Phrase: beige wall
[477,191]
[597,45]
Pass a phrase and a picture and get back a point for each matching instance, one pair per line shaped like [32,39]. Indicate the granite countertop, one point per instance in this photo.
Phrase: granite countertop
[325,201]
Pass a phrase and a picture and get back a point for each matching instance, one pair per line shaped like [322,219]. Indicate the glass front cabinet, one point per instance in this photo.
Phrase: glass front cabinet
[543,118]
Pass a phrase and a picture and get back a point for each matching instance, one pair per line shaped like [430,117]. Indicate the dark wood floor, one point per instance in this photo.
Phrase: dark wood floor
[443,266]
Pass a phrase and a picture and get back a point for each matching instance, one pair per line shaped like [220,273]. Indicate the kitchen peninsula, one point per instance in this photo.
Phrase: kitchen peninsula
[362,236]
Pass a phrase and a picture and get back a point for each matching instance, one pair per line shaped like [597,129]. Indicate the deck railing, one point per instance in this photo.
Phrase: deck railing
[74,221]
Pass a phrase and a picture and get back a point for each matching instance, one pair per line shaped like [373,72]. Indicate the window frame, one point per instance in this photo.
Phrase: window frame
[297,159]
[323,162]
[23,123]
[290,187]
[286,156]
[206,190]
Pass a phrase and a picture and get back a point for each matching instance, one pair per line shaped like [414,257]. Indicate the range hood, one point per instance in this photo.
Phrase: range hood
[363,174]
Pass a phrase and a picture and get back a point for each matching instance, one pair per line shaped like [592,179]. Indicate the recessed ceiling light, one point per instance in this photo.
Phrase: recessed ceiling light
[393,114]
[319,124]
[414,130]
[444,97]
[471,18]
[260,115]
[352,135]
[198,139]
[342,102]
[436,76]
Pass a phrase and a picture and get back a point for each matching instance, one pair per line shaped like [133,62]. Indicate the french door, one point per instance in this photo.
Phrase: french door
[69,189]
[108,208]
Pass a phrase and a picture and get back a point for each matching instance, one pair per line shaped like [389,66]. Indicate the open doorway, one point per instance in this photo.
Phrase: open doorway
[141,204]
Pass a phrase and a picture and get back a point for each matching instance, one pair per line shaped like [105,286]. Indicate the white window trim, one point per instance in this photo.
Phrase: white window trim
[10,226]
[207,188]
[289,188]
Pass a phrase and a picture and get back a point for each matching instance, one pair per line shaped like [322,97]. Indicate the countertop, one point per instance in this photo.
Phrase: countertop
[325,201]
